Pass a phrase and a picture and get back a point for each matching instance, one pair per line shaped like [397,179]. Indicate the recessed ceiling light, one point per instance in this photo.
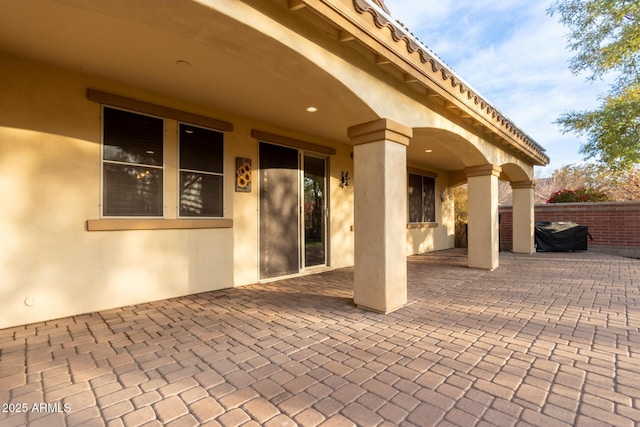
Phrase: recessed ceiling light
[312,109]
[428,151]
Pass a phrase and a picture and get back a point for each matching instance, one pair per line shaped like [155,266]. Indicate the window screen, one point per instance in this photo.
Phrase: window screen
[421,198]
[132,164]
[201,172]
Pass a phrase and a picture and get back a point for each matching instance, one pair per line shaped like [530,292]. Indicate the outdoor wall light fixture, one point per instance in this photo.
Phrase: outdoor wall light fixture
[344,179]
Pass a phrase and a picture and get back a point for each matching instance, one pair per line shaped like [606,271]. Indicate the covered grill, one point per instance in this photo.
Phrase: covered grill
[561,236]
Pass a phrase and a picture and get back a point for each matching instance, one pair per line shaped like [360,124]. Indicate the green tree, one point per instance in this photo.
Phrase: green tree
[605,37]
[461,203]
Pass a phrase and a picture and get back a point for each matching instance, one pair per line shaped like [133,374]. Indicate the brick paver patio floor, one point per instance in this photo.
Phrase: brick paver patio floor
[547,339]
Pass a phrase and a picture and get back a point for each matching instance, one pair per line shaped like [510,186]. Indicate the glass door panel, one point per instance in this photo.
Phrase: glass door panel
[279,217]
[314,204]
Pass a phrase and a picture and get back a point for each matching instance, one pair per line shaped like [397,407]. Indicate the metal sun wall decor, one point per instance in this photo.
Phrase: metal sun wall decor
[243,175]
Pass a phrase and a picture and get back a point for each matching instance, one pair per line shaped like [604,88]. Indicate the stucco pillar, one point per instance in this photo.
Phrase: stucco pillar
[523,216]
[483,251]
[380,210]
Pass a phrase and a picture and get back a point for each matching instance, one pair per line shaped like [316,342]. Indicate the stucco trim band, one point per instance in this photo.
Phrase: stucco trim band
[523,185]
[416,225]
[291,142]
[422,172]
[380,130]
[157,110]
[483,170]
[156,224]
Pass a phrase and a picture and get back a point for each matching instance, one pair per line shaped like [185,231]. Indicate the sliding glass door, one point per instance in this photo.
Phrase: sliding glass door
[293,212]
[314,211]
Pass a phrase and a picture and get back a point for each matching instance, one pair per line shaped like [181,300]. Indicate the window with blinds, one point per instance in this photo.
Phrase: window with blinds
[132,164]
[201,172]
[421,198]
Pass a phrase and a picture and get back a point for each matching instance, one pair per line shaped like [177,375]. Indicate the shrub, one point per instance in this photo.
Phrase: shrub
[579,195]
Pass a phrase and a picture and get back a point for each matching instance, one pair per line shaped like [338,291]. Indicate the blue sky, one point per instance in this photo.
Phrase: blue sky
[515,56]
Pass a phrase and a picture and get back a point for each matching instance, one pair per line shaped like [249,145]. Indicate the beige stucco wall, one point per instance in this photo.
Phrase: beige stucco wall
[387,98]
[50,148]
[50,185]
[441,234]
[341,209]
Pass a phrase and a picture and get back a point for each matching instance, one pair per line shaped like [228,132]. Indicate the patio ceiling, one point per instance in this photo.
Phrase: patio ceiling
[189,51]
[448,151]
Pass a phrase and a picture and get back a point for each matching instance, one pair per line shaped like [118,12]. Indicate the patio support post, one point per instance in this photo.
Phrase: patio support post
[523,216]
[380,210]
[483,251]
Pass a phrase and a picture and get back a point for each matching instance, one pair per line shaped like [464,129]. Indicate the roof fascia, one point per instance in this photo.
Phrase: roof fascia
[421,66]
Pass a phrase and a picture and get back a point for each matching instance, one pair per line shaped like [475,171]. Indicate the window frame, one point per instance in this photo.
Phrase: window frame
[179,169]
[422,176]
[103,161]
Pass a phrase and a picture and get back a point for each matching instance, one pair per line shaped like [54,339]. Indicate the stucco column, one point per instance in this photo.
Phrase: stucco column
[483,251]
[380,209]
[523,216]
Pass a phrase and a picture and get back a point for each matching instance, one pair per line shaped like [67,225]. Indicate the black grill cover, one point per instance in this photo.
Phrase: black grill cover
[561,236]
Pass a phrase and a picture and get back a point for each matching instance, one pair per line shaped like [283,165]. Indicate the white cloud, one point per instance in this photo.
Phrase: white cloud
[514,55]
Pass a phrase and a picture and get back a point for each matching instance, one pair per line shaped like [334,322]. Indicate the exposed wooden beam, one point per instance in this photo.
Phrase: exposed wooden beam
[408,78]
[381,60]
[345,36]
[296,4]
[432,93]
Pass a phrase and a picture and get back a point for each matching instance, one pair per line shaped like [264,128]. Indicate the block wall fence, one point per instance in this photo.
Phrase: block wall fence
[614,226]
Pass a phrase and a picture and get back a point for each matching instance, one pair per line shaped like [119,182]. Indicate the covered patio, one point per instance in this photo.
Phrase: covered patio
[155,152]
[547,339]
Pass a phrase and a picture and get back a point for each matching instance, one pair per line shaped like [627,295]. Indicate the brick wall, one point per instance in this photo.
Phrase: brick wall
[612,224]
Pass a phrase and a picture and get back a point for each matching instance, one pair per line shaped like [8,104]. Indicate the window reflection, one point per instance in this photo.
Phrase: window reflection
[132,138]
[421,198]
[201,172]
[132,191]
[314,210]
[132,164]
[200,194]
[121,154]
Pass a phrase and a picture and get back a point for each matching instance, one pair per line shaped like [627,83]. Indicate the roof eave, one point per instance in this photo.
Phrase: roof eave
[421,66]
